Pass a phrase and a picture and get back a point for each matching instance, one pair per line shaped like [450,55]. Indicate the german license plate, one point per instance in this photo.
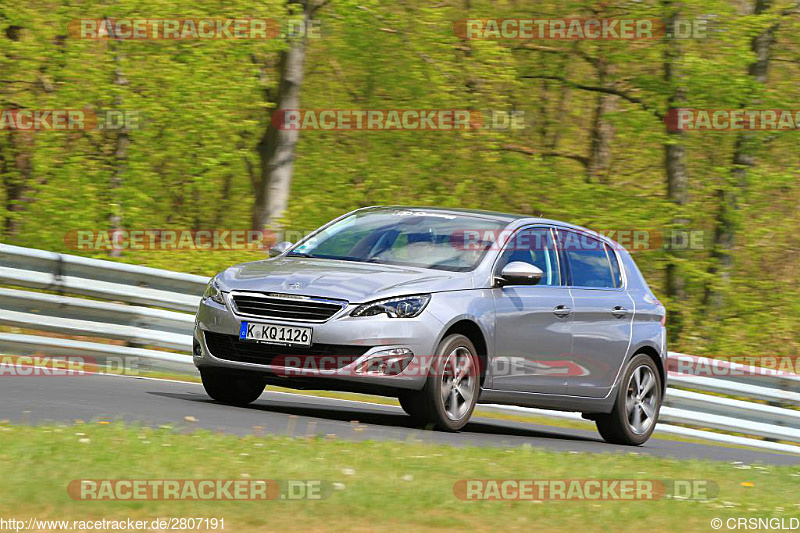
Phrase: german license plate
[275,334]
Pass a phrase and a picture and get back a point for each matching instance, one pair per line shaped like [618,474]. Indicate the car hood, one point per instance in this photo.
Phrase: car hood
[347,280]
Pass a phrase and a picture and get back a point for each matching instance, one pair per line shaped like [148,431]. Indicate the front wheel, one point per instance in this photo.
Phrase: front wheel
[637,405]
[451,388]
[233,389]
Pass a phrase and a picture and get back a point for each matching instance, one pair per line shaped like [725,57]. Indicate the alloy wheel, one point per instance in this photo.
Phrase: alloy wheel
[641,399]
[458,383]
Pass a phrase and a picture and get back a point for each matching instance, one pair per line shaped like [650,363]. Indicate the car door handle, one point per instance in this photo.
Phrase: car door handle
[562,311]
[619,311]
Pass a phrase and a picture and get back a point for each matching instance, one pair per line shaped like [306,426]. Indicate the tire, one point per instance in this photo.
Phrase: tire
[410,402]
[629,422]
[429,406]
[232,389]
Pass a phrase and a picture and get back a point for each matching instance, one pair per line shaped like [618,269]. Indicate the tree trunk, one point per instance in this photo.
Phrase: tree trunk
[16,163]
[743,159]
[121,142]
[602,133]
[276,148]
[676,172]
[561,110]
[19,177]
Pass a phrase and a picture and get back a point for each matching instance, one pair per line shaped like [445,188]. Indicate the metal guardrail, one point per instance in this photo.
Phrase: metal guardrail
[38,269]
[151,310]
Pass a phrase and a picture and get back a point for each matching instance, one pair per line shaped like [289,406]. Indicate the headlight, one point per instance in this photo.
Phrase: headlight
[213,292]
[403,307]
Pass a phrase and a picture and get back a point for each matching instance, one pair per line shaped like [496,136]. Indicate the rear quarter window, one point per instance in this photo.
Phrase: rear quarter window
[615,270]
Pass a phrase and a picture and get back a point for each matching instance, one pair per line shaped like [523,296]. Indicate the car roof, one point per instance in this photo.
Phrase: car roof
[505,217]
[509,218]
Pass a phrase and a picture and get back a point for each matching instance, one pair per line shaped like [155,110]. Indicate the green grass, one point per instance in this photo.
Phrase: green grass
[380,485]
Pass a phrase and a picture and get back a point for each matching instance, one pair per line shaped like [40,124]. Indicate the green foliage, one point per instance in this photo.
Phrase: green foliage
[204,109]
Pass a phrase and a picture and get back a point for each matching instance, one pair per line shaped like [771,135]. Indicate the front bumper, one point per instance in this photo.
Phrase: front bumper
[367,336]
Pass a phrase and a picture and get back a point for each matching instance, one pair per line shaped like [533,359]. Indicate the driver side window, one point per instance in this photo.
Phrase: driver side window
[536,247]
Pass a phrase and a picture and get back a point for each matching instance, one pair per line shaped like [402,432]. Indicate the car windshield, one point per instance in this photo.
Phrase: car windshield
[406,237]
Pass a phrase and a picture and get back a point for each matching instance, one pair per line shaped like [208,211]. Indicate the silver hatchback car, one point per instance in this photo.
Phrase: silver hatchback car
[443,308]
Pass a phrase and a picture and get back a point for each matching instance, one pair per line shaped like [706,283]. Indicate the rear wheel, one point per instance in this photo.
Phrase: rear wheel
[233,389]
[637,405]
[451,388]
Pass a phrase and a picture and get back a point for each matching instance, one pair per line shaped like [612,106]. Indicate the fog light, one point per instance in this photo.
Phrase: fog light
[196,350]
[389,362]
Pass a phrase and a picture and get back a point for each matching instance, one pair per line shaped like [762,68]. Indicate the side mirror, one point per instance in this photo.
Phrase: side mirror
[519,273]
[279,248]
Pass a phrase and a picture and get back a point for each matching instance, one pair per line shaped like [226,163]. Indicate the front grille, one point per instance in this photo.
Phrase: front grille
[302,309]
[231,348]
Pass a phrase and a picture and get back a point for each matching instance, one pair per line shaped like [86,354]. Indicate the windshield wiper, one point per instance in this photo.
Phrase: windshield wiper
[335,257]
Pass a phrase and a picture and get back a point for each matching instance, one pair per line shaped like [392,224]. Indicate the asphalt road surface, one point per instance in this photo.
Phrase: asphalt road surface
[41,399]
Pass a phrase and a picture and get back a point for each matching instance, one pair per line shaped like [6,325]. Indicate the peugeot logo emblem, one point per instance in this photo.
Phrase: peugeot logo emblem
[293,286]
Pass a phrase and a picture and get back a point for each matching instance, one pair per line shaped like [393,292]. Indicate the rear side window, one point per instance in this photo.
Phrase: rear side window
[588,261]
[615,272]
